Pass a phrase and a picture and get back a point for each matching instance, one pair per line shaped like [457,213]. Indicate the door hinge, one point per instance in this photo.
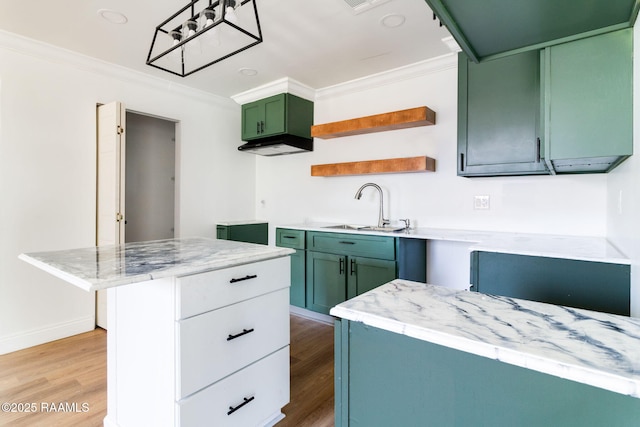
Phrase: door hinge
[120,130]
[119,217]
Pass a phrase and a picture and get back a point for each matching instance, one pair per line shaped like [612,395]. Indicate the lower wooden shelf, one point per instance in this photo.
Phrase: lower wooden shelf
[399,165]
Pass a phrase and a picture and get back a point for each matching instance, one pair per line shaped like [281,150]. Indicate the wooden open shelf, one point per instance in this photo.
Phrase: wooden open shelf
[413,117]
[406,164]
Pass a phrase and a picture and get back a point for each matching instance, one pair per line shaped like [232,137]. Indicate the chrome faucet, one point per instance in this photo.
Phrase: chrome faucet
[381,220]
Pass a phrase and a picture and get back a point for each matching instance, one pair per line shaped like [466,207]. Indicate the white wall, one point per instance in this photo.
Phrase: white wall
[286,193]
[47,173]
[623,197]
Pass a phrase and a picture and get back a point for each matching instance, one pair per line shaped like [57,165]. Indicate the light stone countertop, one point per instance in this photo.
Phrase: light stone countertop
[589,347]
[102,267]
[584,248]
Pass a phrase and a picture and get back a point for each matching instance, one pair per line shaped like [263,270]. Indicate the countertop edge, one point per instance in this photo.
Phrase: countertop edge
[174,272]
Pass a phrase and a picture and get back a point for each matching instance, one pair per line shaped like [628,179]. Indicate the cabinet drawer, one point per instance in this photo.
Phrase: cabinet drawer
[288,238]
[208,291]
[350,244]
[217,343]
[265,383]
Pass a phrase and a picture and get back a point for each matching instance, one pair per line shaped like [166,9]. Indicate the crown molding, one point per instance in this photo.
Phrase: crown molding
[418,69]
[53,54]
[283,85]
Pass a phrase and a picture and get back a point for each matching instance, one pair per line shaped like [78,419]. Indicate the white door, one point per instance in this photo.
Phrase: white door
[110,209]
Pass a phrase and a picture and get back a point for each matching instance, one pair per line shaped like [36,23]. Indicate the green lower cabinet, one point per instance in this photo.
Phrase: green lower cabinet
[326,281]
[332,279]
[249,232]
[295,239]
[387,379]
[594,286]
[298,290]
[367,273]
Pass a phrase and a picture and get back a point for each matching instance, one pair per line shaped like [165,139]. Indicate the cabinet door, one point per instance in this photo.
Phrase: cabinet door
[588,102]
[498,116]
[252,114]
[326,281]
[274,116]
[298,291]
[368,273]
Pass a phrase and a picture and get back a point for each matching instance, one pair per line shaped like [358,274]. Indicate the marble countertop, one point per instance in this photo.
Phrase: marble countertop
[599,349]
[584,248]
[102,267]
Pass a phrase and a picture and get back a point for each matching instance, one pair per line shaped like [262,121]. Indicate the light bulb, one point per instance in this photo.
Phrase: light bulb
[189,29]
[212,36]
[230,15]
[176,54]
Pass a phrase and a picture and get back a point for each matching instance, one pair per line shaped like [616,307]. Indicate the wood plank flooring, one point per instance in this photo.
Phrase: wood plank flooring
[73,371]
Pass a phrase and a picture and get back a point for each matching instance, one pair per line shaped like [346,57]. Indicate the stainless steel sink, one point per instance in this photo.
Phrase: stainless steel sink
[355,227]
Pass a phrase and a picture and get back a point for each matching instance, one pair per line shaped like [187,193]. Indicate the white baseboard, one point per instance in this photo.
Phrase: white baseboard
[26,339]
[308,314]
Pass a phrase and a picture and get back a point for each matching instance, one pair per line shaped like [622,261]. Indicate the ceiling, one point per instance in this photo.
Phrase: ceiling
[318,43]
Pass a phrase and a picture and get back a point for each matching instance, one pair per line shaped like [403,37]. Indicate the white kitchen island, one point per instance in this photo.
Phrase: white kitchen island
[197,331]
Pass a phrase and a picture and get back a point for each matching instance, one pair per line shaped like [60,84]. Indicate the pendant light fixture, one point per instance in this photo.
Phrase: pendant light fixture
[203,33]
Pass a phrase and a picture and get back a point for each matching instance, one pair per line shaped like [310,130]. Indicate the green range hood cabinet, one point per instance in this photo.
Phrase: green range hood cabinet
[490,28]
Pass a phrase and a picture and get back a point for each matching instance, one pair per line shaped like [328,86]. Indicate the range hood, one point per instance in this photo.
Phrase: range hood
[278,145]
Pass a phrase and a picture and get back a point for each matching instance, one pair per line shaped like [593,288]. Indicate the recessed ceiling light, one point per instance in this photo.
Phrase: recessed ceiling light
[247,71]
[112,16]
[392,20]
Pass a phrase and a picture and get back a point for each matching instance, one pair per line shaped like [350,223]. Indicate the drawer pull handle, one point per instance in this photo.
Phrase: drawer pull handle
[244,332]
[247,277]
[346,242]
[246,400]
[289,237]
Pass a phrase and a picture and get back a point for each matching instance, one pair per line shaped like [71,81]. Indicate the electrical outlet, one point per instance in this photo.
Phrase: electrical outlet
[481,202]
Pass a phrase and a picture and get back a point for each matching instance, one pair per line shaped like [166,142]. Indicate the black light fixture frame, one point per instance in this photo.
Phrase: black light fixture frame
[195,15]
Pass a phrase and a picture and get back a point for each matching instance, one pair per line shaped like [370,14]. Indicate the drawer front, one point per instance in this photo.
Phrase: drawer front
[288,238]
[350,244]
[217,343]
[204,292]
[264,385]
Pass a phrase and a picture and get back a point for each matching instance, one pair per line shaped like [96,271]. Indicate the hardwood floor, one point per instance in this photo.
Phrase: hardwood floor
[72,372]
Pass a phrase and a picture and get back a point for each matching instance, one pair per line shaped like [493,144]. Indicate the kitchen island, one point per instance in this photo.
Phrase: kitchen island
[412,354]
[197,329]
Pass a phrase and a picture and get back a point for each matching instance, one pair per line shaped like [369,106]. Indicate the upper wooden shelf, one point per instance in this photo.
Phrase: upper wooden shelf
[413,117]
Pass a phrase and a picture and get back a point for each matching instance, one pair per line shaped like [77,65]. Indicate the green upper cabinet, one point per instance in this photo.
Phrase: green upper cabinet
[277,115]
[588,103]
[498,116]
[563,109]
[484,29]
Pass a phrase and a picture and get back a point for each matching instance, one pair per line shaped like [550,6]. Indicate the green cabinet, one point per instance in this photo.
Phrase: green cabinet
[277,115]
[486,29]
[342,266]
[388,379]
[250,232]
[564,109]
[594,286]
[498,116]
[329,268]
[333,279]
[588,102]
[295,239]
